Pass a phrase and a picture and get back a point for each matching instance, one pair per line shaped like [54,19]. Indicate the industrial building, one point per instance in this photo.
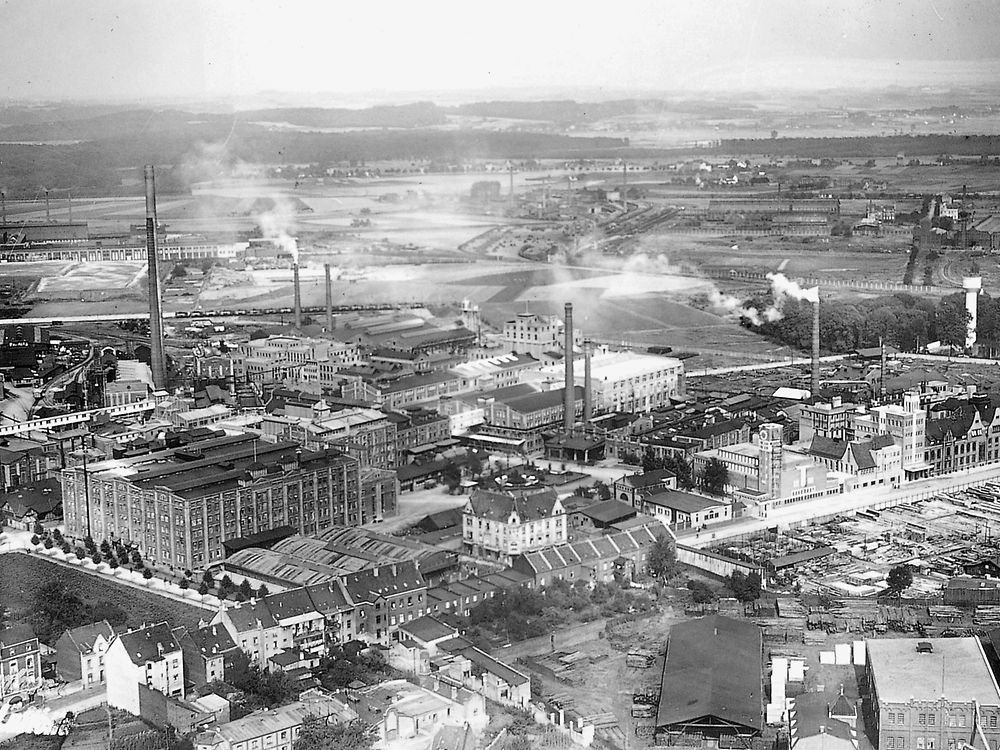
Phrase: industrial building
[933,693]
[711,684]
[179,505]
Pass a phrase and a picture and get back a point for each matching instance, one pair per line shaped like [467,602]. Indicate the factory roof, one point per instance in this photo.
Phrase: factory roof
[588,551]
[953,668]
[525,398]
[713,668]
[479,367]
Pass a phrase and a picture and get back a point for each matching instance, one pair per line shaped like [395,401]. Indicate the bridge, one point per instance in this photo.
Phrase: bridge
[73,418]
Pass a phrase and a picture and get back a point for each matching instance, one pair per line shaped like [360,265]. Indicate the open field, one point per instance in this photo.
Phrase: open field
[23,574]
[81,276]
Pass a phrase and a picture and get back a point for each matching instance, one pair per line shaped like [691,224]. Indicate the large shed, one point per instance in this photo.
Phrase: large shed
[711,682]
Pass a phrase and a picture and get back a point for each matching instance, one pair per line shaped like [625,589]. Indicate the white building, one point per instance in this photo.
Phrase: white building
[623,381]
[500,524]
[533,334]
[150,658]
[906,423]
[296,358]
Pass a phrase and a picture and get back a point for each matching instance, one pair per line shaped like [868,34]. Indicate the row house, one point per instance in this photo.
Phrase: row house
[209,652]
[147,658]
[385,597]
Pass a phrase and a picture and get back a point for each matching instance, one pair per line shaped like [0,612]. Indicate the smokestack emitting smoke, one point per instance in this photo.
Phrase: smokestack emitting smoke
[588,401]
[815,349]
[298,294]
[157,360]
[329,298]
[569,392]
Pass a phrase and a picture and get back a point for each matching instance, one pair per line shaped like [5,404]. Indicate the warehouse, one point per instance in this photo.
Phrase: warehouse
[711,682]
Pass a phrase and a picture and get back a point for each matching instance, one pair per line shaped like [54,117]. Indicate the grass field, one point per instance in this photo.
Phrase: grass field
[22,575]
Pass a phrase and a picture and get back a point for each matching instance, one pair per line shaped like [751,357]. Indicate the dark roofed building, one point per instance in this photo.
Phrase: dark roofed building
[711,682]
[386,596]
[602,515]
[499,524]
[631,487]
[685,510]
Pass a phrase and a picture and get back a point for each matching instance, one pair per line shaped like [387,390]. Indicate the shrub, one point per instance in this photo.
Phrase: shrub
[147,574]
[35,541]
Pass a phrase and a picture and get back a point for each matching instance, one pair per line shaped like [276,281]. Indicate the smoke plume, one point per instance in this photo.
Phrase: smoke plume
[782,289]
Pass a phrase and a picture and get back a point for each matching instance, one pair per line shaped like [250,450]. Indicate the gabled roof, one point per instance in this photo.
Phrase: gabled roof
[17,634]
[384,580]
[497,668]
[498,505]
[640,481]
[683,502]
[608,511]
[82,639]
[329,598]
[149,643]
[713,668]
[247,616]
[590,551]
[289,604]
[212,640]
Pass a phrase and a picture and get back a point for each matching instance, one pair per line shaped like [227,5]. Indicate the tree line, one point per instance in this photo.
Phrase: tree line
[901,320]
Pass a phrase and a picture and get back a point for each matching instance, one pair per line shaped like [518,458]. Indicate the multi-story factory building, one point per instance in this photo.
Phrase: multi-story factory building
[179,505]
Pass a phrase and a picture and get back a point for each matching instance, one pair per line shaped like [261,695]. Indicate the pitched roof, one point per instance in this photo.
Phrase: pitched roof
[608,511]
[713,668]
[384,580]
[149,643]
[639,481]
[590,550]
[212,640]
[684,502]
[17,634]
[84,637]
[498,505]
[251,615]
[487,663]
[289,604]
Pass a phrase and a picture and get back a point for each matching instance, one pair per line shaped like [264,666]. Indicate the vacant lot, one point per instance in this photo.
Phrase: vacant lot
[22,575]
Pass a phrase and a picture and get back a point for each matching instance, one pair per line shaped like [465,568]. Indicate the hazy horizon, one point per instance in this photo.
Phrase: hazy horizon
[140,50]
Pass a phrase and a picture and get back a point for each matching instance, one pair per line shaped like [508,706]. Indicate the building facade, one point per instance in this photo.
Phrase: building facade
[20,662]
[500,525]
[149,658]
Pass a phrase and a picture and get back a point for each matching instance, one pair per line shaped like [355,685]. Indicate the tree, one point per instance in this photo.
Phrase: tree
[262,591]
[745,586]
[662,560]
[80,553]
[318,734]
[35,541]
[952,321]
[474,463]
[245,589]
[147,574]
[715,477]
[183,584]
[38,528]
[650,462]
[227,582]
[137,558]
[203,588]
[113,562]
[899,579]
[603,491]
[106,610]
[96,558]
[65,547]
[701,592]
[56,607]
[48,543]
[208,578]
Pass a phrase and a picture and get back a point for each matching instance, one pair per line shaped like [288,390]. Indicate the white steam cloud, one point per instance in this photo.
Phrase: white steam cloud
[782,289]
[276,224]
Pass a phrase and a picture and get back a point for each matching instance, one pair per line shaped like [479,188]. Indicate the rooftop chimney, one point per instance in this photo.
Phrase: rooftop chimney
[569,393]
[329,298]
[158,362]
[814,385]
[298,294]
[588,396]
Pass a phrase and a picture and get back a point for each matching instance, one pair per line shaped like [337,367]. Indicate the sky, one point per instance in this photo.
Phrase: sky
[160,49]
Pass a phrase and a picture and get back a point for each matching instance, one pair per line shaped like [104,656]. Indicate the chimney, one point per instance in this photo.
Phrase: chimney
[158,362]
[569,392]
[588,396]
[329,298]
[48,216]
[814,385]
[298,294]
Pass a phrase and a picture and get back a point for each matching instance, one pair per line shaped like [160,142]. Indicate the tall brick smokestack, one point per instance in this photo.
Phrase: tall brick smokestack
[588,396]
[569,393]
[329,298]
[158,363]
[814,384]
[298,295]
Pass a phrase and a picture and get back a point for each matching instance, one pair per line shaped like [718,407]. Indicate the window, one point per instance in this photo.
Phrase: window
[891,742]
[922,721]
[993,722]
[931,720]
[920,742]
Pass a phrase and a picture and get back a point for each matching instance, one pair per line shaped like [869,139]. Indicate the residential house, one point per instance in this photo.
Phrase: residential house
[385,597]
[149,658]
[20,662]
[209,652]
[253,628]
[500,524]
[80,653]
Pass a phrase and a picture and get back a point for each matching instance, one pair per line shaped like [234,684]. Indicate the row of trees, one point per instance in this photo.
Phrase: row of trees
[902,320]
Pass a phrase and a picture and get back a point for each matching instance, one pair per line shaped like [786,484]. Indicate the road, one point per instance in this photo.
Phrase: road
[825,507]
[17,405]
